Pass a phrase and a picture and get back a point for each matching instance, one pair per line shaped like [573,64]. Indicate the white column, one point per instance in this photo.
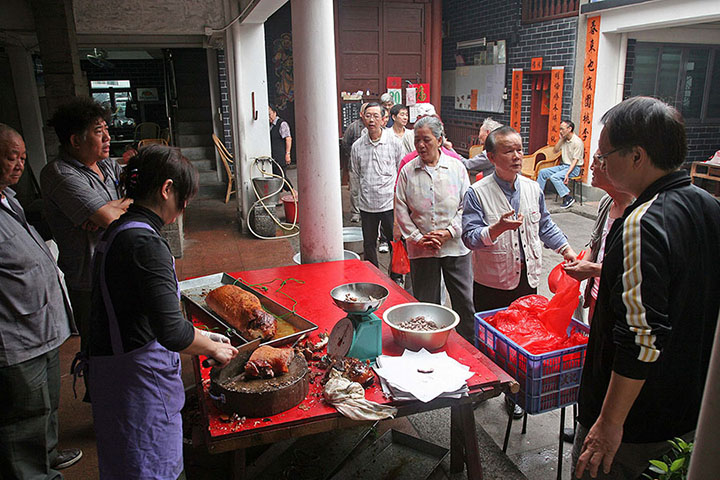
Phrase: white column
[248,79]
[23,74]
[316,125]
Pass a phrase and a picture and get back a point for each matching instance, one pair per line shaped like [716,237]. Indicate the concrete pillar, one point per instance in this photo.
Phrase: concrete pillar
[26,94]
[316,121]
[247,79]
[705,462]
[55,28]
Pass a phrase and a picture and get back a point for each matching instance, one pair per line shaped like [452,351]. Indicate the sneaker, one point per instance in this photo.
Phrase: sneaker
[355,218]
[383,247]
[66,458]
[568,201]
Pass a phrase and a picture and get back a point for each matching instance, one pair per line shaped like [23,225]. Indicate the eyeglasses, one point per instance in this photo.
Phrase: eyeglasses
[376,116]
[600,157]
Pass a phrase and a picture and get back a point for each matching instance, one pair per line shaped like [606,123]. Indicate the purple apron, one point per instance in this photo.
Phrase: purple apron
[136,400]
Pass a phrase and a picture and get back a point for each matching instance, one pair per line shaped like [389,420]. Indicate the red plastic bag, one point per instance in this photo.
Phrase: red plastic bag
[400,261]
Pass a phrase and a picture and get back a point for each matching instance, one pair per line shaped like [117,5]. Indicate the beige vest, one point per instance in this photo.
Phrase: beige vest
[498,265]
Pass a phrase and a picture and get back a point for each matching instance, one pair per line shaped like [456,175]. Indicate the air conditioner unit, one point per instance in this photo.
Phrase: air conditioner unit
[480,42]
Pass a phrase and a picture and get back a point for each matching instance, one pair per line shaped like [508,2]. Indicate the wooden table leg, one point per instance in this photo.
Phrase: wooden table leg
[462,430]
[238,464]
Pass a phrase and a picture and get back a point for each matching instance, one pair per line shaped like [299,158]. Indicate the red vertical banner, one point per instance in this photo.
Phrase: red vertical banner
[516,98]
[584,130]
[555,110]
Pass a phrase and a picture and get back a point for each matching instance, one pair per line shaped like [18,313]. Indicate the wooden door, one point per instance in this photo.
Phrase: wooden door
[539,110]
[377,39]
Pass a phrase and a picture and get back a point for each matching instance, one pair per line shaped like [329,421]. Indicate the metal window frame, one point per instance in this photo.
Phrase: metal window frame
[713,51]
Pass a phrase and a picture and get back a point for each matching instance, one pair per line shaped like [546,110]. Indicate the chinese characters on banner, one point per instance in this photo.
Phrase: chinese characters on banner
[555,110]
[517,75]
[588,84]
[422,94]
[536,64]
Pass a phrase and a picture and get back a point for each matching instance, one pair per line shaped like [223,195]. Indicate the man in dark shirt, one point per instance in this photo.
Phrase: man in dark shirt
[280,143]
[657,307]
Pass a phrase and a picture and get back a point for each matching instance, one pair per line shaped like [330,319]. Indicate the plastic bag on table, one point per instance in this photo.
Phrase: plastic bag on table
[400,262]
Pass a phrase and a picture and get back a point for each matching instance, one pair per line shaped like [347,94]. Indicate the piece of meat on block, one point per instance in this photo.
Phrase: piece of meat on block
[243,311]
[269,362]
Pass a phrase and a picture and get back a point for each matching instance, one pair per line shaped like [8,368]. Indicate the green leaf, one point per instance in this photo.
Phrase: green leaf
[677,464]
[662,467]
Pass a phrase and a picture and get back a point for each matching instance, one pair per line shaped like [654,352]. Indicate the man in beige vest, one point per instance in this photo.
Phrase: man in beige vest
[506,224]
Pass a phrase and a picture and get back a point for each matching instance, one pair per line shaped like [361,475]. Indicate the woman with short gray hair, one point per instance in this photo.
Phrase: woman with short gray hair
[428,210]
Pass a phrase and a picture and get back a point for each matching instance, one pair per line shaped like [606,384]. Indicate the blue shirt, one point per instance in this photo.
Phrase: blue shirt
[476,232]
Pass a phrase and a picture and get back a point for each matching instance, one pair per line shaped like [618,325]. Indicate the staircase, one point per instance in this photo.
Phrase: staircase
[193,119]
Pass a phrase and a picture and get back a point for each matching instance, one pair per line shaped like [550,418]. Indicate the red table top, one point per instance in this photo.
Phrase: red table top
[314,304]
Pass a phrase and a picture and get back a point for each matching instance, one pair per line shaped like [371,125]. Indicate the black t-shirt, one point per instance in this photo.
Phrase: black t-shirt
[143,288]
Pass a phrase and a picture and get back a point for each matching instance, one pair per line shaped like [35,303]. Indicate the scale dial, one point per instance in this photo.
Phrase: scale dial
[341,338]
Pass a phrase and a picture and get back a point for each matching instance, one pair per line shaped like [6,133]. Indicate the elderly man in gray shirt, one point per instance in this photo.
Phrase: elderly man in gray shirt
[480,162]
[81,196]
[374,160]
[35,319]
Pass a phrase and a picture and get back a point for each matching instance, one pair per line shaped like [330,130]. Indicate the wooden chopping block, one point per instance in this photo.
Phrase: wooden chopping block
[258,397]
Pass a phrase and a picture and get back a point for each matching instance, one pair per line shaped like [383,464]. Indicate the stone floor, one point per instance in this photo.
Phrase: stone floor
[214,243]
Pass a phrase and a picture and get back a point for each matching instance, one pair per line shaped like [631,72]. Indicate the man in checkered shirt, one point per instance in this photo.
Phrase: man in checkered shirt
[374,160]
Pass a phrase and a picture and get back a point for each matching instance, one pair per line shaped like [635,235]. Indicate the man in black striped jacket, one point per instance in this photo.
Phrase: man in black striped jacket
[657,308]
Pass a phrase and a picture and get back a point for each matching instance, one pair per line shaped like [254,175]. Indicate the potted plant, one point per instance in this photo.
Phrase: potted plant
[674,466]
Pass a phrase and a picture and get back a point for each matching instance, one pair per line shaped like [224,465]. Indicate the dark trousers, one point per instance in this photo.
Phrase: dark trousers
[457,272]
[370,222]
[487,298]
[30,396]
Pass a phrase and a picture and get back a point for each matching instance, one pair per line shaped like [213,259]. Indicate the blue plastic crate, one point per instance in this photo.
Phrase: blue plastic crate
[547,381]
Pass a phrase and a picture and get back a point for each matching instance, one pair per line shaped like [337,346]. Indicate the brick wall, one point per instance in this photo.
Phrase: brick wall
[224,100]
[703,139]
[554,40]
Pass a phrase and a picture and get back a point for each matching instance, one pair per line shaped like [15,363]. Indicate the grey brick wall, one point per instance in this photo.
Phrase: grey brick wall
[554,40]
[703,139]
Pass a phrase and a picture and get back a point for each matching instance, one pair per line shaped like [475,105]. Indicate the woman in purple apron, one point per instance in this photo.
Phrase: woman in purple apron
[138,329]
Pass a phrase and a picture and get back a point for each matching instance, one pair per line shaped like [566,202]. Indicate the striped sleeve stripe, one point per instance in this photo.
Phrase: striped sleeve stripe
[632,285]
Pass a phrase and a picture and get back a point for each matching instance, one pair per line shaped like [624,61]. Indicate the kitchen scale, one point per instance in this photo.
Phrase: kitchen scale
[359,334]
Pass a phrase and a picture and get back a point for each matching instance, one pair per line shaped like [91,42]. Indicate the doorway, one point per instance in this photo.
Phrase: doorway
[539,110]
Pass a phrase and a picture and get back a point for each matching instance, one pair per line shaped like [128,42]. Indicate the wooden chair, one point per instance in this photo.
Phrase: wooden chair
[147,130]
[475,150]
[229,164]
[531,166]
[151,141]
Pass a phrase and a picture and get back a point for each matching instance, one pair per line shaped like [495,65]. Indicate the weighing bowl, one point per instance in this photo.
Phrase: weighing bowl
[362,291]
[431,340]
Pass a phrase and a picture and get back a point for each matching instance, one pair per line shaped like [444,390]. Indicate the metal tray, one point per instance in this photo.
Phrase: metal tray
[290,325]
[395,455]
